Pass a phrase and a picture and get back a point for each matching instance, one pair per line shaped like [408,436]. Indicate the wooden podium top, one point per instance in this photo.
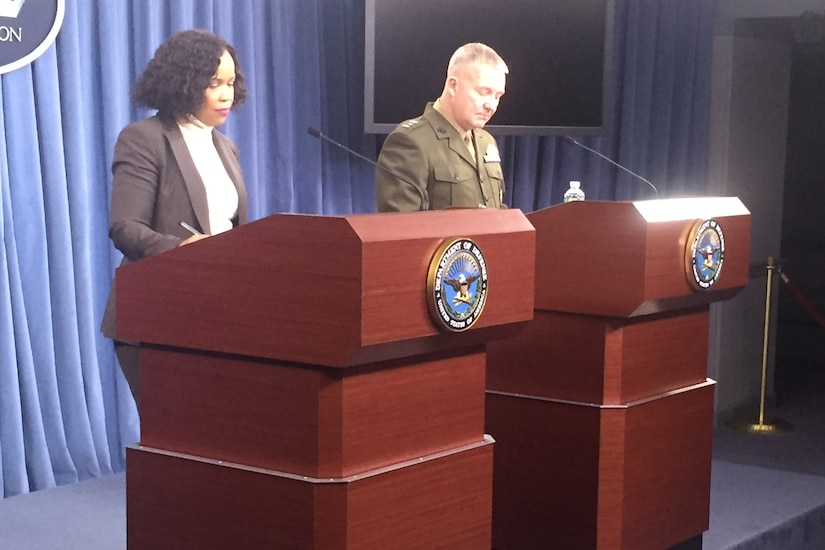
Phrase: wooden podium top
[627,259]
[325,290]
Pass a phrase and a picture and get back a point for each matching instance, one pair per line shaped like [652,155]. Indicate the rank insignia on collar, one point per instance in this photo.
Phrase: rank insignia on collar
[410,123]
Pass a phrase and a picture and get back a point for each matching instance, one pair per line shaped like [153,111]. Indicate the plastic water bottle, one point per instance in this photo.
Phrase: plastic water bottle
[575,192]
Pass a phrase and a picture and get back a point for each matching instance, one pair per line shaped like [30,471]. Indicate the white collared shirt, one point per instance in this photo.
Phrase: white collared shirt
[221,195]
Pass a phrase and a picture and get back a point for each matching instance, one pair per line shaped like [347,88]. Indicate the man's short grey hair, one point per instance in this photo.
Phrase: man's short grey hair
[476,52]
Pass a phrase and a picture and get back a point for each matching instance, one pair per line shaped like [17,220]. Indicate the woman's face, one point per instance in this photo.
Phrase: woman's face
[219,96]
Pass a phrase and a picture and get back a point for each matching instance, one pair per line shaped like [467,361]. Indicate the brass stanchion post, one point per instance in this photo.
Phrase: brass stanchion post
[763,425]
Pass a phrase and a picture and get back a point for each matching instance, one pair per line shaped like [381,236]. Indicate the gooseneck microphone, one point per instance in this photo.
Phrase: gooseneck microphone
[611,161]
[319,135]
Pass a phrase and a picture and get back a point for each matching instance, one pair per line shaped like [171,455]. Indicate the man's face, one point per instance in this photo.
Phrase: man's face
[476,90]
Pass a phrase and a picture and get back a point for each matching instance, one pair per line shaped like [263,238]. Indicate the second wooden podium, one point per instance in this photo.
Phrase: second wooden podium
[601,408]
[298,389]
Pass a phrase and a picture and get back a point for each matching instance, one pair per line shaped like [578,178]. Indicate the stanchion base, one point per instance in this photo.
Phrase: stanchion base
[767,426]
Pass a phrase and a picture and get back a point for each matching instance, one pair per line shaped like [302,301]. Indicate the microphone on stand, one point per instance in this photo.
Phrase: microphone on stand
[611,161]
[319,135]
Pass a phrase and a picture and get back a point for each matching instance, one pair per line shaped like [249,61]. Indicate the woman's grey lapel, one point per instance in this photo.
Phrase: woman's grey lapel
[191,177]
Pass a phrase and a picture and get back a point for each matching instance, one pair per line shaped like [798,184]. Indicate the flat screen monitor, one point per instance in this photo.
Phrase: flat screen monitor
[558,53]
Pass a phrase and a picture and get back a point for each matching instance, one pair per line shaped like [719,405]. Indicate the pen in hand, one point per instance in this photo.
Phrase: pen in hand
[189,228]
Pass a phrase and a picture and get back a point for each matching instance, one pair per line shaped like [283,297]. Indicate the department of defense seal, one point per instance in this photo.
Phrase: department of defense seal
[457,285]
[27,29]
[705,254]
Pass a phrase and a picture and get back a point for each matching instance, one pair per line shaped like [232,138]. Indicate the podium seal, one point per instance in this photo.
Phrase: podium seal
[457,285]
[705,254]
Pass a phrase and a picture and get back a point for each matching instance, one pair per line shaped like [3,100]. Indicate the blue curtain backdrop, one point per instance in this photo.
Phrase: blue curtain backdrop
[66,413]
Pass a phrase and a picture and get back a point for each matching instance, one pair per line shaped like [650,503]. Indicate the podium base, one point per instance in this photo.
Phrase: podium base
[183,501]
[637,475]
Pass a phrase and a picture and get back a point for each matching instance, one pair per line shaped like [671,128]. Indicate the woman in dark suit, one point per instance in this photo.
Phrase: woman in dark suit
[174,169]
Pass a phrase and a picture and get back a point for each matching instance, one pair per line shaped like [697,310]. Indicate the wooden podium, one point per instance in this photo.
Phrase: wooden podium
[601,409]
[297,393]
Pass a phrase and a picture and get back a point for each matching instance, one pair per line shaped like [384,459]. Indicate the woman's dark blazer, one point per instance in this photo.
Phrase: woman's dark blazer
[156,186]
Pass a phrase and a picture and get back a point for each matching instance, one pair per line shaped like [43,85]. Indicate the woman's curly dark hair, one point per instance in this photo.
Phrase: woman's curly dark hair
[176,78]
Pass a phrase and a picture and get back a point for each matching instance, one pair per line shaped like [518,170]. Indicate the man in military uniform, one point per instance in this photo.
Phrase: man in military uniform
[444,157]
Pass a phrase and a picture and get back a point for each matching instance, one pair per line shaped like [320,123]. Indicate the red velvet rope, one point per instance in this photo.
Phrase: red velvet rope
[803,301]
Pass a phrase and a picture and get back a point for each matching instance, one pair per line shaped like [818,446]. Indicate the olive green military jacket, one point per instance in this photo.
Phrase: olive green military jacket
[430,154]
